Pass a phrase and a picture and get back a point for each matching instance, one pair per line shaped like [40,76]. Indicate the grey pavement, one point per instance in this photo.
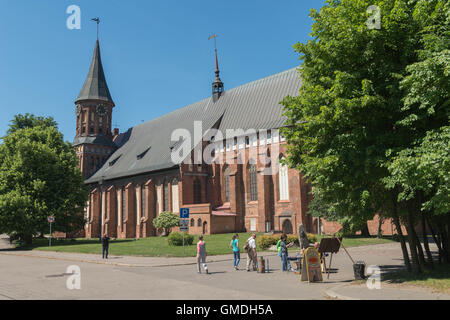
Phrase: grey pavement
[43,275]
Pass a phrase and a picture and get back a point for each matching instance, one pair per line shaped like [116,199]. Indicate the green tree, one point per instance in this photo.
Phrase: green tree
[39,177]
[22,121]
[166,221]
[357,93]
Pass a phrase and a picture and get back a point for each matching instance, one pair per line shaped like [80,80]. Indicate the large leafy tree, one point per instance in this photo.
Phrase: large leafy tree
[22,121]
[357,93]
[39,177]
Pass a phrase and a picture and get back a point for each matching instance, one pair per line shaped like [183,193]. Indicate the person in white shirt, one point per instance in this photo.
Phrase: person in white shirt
[251,252]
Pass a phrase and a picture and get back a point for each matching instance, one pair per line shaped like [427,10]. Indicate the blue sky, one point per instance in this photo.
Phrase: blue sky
[156,54]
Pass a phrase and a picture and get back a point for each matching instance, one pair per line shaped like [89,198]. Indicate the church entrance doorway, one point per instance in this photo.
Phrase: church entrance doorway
[287,227]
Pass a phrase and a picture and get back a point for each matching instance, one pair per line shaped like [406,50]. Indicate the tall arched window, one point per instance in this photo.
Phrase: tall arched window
[253,182]
[175,200]
[283,181]
[192,222]
[143,201]
[197,191]
[106,205]
[124,205]
[227,184]
[199,222]
[166,196]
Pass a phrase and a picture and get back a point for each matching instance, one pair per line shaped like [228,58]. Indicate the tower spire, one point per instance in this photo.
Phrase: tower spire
[95,87]
[217,86]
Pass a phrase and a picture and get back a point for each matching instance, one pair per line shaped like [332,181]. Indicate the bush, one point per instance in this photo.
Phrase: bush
[265,242]
[292,238]
[176,239]
[312,237]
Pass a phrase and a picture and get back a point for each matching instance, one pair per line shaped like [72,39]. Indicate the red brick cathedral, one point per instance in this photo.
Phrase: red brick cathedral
[219,157]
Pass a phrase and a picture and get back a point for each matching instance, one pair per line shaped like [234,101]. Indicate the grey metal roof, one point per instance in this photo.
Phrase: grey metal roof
[99,140]
[253,105]
[95,86]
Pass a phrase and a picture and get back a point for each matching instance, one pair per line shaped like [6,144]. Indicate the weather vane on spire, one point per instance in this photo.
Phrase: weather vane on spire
[214,36]
[98,22]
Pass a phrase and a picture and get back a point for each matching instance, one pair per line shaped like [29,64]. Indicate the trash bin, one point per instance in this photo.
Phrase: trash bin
[359,269]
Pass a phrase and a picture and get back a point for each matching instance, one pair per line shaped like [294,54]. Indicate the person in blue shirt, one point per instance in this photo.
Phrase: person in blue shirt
[234,244]
[284,253]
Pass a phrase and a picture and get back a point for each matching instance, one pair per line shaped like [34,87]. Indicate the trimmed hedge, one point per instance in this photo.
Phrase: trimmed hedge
[176,239]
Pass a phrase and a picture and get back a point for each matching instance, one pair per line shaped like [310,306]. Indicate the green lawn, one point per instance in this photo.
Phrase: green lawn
[437,278]
[157,246]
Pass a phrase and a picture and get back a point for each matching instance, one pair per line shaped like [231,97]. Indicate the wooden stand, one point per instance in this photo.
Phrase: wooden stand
[261,265]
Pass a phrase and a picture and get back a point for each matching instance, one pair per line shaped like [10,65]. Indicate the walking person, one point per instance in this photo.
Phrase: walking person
[250,247]
[105,246]
[201,255]
[236,251]
[284,253]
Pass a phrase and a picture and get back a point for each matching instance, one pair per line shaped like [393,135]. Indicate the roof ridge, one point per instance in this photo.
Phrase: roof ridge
[225,92]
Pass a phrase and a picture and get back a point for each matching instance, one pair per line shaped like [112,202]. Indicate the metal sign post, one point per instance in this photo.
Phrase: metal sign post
[50,220]
[184,222]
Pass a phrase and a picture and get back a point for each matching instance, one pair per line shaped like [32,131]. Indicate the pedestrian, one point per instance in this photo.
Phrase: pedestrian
[250,247]
[201,255]
[284,253]
[236,251]
[105,246]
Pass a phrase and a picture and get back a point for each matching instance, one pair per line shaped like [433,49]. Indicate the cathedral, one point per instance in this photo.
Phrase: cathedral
[219,157]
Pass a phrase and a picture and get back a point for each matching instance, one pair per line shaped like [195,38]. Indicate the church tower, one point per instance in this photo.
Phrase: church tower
[94,141]
[217,86]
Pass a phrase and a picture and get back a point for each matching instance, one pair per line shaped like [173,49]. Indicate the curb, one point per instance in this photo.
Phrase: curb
[330,293]
[112,263]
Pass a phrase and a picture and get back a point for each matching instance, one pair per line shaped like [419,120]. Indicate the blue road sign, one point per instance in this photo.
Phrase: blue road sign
[184,213]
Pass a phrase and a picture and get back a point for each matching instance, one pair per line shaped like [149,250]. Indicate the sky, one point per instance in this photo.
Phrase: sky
[156,54]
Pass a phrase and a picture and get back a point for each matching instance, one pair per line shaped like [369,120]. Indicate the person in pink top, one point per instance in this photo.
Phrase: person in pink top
[201,255]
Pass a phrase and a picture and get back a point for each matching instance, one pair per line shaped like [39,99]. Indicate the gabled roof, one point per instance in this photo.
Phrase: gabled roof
[95,86]
[254,105]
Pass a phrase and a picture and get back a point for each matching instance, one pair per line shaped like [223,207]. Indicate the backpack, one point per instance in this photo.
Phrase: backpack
[247,246]
[279,248]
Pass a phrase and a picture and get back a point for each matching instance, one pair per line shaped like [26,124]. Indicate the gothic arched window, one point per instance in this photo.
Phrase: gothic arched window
[227,184]
[166,196]
[143,201]
[124,205]
[253,182]
[283,180]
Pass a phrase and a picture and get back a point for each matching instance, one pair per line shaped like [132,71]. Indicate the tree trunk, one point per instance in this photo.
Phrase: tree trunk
[380,230]
[419,248]
[416,268]
[365,231]
[436,238]
[398,226]
[444,240]
[425,241]
[27,239]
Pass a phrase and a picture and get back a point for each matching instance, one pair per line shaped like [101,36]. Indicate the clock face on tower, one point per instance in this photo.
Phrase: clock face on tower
[78,110]
[101,110]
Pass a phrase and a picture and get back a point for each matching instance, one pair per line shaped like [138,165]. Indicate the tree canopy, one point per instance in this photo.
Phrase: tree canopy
[370,100]
[38,178]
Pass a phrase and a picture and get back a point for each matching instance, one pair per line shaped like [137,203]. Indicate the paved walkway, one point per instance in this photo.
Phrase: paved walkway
[361,292]
[166,273]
